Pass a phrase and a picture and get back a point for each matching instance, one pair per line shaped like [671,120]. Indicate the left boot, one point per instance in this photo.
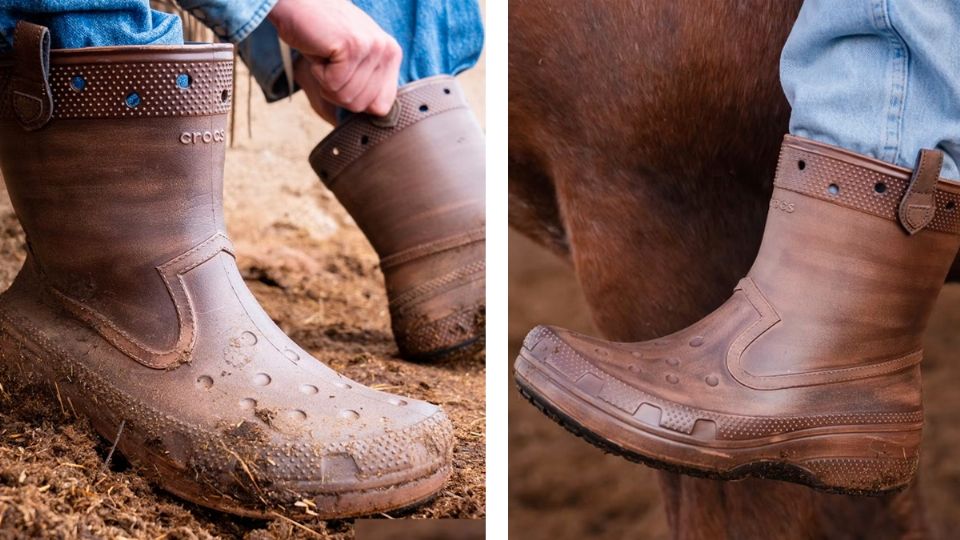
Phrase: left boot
[810,372]
[414,183]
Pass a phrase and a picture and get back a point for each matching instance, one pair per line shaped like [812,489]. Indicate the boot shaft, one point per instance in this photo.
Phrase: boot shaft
[122,174]
[413,177]
[846,279]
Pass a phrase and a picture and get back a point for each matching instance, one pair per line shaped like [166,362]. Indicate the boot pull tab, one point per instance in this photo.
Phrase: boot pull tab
[32,99]
[919,204]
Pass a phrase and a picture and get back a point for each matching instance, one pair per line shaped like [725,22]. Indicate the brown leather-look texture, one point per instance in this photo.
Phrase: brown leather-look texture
[809,373]
[130,306]
[414,183]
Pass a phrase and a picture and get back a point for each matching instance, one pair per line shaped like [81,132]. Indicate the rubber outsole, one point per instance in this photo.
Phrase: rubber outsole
[21,356]
[764,469]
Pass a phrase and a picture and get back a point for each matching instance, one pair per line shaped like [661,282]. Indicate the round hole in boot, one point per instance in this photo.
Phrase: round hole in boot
[833,189]
[349,414]
[950,206]
[712,380]
[324,174]
[262,379]
[673,379]
[204,382]
[132,100]
[183,81]
[343,385]
[880,187]
[801,164]
[335,151]
[248,404]
[446,91]
[308,389]
[696,341]
[78,83]
[397,401]
[225,96]
[424,108]
[364,140]
[297,415]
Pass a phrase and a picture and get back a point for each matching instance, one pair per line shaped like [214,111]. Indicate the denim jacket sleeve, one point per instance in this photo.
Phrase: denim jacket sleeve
[244,23]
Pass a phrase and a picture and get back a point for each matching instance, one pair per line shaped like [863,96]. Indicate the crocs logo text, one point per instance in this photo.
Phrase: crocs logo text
[203,137]
[785,206]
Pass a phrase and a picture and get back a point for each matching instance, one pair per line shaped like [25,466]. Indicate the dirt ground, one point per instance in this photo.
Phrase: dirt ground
[554,496]
[319,279]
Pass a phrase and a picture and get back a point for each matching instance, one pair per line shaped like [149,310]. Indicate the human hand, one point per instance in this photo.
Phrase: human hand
[348,60]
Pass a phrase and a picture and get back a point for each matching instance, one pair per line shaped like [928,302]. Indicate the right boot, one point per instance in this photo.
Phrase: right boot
[131,310]
[810,372]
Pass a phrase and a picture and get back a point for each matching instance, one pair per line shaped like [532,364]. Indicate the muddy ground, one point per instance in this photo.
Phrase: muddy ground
[318,278]
[562,488]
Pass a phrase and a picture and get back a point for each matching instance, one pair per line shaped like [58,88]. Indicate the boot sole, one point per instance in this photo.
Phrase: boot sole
[21,359]
[659,451]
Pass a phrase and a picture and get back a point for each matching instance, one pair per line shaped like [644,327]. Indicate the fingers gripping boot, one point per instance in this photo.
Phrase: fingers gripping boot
[414,183]
[131,308]
[810,372]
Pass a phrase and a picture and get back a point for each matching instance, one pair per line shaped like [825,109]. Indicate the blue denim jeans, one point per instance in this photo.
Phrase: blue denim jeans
[437,36]
[878,77]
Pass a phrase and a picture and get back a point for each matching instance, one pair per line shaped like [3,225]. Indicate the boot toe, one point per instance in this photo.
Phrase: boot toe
[401,466]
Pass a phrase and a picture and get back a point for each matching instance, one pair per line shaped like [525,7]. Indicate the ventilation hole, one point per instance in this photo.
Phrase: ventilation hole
[879,187]
[424,108]
[833,189]
[446,91]
[364,139]
[324,174]
[335,151]
[225,96]
[132,100]
[801,164]
[184,80]
[950,206]
[78,83]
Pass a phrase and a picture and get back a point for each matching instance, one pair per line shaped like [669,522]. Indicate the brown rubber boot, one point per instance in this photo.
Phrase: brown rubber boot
[131,308]
[414,183]
[810,372]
